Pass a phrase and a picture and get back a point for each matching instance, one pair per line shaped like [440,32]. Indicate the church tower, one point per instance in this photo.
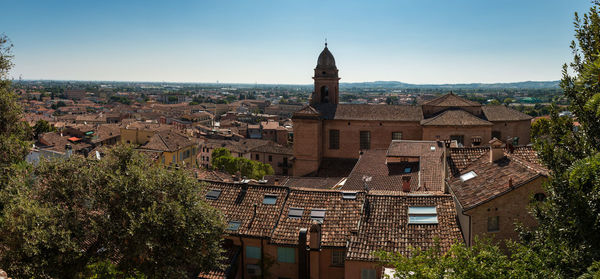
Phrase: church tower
[326,80]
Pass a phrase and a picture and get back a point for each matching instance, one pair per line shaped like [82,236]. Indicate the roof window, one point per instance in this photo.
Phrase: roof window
[317,214]
[422,215]
[349,195]
[270,199]
[467,176]
[213,194]
[295,212]
[407,170]
[233,225]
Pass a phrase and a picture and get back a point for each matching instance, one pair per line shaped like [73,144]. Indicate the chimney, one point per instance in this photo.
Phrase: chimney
[496,150]
[302,254]
[315,236]
[406,184]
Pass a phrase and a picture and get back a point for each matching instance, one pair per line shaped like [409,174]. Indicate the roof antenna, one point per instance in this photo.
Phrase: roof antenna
[325,42]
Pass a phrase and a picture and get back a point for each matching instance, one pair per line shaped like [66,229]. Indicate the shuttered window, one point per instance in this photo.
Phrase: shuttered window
[365,140]
[334,139]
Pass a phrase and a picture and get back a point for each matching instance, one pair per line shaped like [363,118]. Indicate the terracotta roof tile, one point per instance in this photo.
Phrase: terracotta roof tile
[370,112]
[503,113]
[236,202]
[384,226]
[341,217]
[450,100]
[492,178]
[455,117]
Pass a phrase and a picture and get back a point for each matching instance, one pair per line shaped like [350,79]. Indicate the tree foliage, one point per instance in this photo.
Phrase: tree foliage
[222,160]
[66,217]
[14,133]
[42,126]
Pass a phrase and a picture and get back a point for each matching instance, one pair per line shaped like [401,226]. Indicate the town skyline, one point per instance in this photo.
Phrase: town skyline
[445,43]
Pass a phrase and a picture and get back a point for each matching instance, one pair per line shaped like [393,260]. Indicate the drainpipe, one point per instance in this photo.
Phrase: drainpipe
[243,254]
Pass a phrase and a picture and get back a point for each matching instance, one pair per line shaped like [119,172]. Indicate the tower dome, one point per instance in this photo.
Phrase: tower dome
[326,59]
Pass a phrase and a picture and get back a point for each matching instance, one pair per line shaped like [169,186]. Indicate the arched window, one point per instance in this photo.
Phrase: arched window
[324,94]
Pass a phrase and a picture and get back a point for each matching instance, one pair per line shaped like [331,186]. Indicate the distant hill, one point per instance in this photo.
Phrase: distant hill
[402,85]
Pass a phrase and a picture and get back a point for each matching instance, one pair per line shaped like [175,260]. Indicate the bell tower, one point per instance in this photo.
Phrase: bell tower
[326,80]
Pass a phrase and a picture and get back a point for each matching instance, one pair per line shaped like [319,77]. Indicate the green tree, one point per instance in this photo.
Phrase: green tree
[222,160]
[69,214]
[569,220]
[42,126]
[14,133]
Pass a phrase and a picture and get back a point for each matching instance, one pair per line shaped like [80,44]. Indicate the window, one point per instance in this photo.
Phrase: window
[213,194]
[270,158]
[349,195]
[338,257]
[365,140]
[295,212]
[460,139]
[422,215]
[467,176]
[317,214]
[233,225]
[252,252]
[286,255]
[368,274]
[270,199]
[493,224]
[174,159]
[396,135]
[334,139]
[496,134]
[407,170]
[256,157]
[253,270]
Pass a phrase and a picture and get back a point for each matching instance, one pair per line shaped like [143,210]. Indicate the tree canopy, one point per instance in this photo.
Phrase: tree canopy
[65,217]
[222,160]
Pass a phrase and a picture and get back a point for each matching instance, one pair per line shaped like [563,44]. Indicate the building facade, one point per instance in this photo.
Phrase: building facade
[327,129]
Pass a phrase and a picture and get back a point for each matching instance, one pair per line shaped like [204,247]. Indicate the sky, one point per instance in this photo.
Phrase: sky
[278,42]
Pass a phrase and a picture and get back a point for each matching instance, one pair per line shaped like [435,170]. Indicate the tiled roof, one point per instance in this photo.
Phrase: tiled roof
[455,117]
[503,113]
[384,177]
[370,112]
[460,158]
[431,161]
[492,178]
[274,148]
[335,167]
[242,146]
[312,182]
[236,202]
[107,131]
[384,226]
[341,217]
[450,100]
[167,141]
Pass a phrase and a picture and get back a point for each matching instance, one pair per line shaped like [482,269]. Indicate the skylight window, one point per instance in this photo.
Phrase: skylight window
[233,225]
[432,148]
[317,214]
[349,195]
[270,199]
[213,194]
[295,212]
[422,215]
[407,170]
[467,176]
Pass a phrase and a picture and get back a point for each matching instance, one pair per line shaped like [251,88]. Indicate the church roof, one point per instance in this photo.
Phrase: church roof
[503,113]
[370,112]
[326,59]
[450,100]
[455,117]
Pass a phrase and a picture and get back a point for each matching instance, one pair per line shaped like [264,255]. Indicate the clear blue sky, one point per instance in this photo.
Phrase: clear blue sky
[415,41]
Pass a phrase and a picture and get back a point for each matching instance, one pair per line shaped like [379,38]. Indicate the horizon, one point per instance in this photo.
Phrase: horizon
[265,42]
